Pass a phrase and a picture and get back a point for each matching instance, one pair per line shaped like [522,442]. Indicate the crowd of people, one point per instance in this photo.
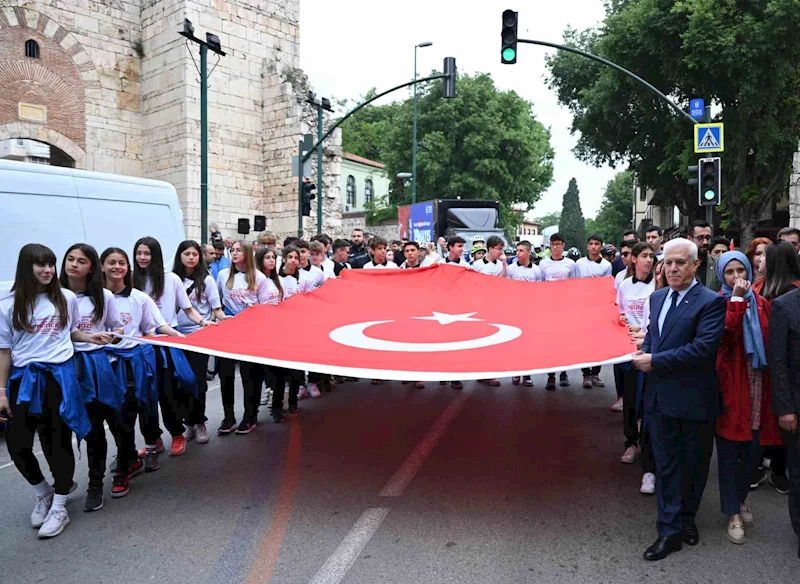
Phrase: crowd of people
[719,360]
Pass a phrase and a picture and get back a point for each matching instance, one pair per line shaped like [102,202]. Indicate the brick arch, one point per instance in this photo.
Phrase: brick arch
[57,80]
[43,134]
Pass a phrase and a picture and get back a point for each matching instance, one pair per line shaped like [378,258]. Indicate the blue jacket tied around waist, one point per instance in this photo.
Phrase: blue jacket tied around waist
[142,359]
[33,381]
[98,380]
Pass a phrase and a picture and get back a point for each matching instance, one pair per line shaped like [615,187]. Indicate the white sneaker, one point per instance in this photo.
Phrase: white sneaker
[266,396]
[190,433]
[735,531]
[302,393]
[314,390]
[746,513]
[54,523]
[617,407]
[648,484]
[41,510]
[201,433]
[631,452]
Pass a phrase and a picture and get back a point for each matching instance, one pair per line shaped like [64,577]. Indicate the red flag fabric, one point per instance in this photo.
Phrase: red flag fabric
[438,323]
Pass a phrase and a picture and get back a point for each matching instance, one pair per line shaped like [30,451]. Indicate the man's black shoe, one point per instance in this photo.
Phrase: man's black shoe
[690,534]
[277,416]
[663,547]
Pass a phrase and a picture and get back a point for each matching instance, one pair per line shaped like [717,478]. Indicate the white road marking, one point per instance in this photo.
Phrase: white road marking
[411,465]
[338,564]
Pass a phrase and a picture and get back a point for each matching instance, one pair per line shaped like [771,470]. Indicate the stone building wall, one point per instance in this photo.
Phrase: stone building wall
[121,94]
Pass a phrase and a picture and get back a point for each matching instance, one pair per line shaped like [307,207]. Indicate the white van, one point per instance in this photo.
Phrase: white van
[58,207]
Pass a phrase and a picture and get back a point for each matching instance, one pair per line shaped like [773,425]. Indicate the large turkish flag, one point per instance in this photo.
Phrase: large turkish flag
[429,324]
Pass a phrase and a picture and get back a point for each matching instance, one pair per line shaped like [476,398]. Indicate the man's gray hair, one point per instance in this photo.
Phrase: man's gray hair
[684,244]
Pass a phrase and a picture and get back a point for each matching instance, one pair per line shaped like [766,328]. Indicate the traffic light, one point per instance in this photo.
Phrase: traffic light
[710,181]
[508,47]
[449,82]
[693,174]
[308,196]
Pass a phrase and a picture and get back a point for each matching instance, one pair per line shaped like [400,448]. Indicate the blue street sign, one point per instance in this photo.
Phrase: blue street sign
[697,108]
[709,138]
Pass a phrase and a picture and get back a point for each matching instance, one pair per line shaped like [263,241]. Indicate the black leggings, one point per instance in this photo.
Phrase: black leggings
[278,377]
[252,378]
[124,423]
[192,410]
[96,443]
[54,435]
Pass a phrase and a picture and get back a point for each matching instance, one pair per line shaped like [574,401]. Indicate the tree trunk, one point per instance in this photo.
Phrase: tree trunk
[748,230]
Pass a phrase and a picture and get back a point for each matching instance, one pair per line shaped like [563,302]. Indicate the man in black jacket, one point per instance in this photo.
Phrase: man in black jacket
[784,364]
[359,256]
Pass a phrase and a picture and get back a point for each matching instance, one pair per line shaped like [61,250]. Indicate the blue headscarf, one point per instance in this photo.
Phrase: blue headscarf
[751,330]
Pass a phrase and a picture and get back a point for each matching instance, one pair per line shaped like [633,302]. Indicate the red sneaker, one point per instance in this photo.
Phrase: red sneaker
[136,468]
[119,486]
[178,445]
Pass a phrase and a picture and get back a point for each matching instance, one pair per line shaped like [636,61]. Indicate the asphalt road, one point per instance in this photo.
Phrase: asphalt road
[392,484]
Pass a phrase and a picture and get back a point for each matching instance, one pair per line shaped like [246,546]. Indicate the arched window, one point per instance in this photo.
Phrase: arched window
[32,49]
[351,190]
[368,192]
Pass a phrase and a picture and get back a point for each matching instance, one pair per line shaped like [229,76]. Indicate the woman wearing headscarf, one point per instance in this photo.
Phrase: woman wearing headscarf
[741,367]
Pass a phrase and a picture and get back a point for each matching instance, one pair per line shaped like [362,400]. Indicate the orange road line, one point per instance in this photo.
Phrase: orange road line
[267,554]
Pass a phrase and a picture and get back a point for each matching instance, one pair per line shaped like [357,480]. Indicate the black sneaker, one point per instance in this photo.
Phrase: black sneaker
[781,484]
[563,380]
[278,417]
[551,383]
[760,478]
[293,409]
[456,385]
[227,426]
[210,376]
[150,462]
[246,427]
[94,498]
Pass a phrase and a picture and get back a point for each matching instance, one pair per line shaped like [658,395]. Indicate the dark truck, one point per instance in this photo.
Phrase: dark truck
[429,220]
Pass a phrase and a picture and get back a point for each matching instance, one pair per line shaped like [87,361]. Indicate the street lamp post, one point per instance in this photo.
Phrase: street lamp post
[414,131]
[212,43]
[324,104]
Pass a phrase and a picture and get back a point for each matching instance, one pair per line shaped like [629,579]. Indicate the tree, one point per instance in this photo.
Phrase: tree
[482,144]
[573,226]
[364,134]
[549,219]
[616,210]
[741,57]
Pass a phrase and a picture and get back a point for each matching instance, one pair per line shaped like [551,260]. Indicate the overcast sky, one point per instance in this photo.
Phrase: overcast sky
[350,46]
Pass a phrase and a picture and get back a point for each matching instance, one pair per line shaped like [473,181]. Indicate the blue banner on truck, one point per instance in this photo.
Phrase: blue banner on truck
[422,222]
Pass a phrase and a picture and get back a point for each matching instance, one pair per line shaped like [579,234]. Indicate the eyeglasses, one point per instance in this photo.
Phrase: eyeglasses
[557,244]
[626,254]
[703,238]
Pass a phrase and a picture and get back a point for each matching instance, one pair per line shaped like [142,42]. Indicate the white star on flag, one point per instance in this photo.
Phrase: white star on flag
[444,318]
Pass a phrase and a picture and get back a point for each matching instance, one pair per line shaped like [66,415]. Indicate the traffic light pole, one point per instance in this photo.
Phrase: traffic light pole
[320,130]
[323,137]
[613,65]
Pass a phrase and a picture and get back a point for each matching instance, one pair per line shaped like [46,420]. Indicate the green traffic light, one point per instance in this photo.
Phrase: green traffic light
[509,54]
[709,195]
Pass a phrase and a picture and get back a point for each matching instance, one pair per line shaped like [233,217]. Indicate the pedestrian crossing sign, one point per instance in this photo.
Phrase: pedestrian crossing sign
[709,138]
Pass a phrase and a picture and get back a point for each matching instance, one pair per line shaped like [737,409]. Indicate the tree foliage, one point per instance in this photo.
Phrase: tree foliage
[573,225]
[482,144]
[549,219]
[616,210]
[742,57]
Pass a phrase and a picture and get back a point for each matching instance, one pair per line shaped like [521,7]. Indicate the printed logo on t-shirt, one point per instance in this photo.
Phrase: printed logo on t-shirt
[86,323]
[243,296]
[50,326]
[125,318]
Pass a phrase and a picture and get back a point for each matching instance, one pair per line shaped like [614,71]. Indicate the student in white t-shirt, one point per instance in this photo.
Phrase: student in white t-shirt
[38,324]
[135,367]
[167,291]
[241,286]
[524,270]
[455,254]
[341,251]
[556,268]
[625,254]
[190,267]
[494,262]
[294,282]
[593,266]
[311,272]
[317,382]
[632,296]
[103,395]
[378,247]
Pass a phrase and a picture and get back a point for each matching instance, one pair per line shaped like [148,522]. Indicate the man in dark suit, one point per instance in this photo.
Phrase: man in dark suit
[682,400]
[784,364]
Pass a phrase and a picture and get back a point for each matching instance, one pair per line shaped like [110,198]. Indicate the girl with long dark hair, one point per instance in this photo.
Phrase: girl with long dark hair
[277,377]
[294,282]
[102,393]
[241,287]
[134,365]
[190,267]
[174,372]
[39,387]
